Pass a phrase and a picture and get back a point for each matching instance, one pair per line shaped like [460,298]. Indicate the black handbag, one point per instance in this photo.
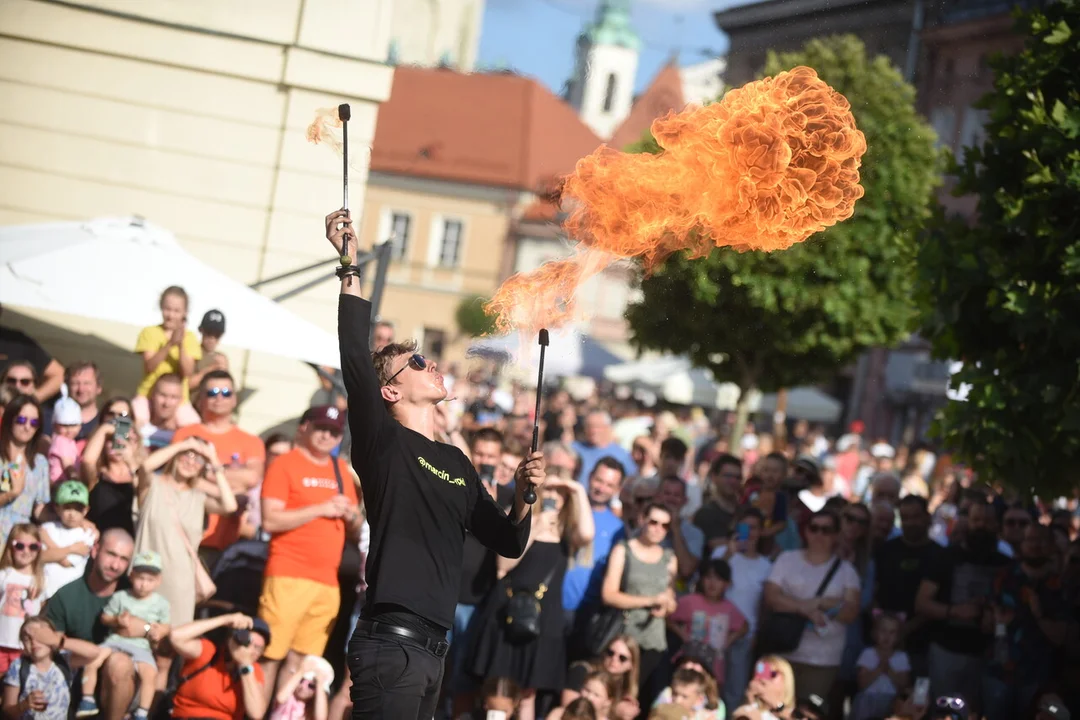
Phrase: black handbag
[781,632]
[604,625]
[522,616]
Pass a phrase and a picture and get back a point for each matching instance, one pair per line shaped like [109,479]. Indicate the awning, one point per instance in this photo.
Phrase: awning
[114,269]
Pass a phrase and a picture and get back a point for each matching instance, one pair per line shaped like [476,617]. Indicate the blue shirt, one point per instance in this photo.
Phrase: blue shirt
[591,455]
[583,583]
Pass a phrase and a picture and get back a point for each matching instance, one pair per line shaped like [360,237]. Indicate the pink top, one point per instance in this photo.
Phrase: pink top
[291,709]
[710,623]
[62,449]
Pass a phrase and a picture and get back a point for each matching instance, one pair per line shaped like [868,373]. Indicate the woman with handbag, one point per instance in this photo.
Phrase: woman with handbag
[520,630]
[171,511]
[811,596]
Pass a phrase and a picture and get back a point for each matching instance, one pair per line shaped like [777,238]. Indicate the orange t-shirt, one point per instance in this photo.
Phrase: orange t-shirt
[313,550]
[214,692]
[234,447]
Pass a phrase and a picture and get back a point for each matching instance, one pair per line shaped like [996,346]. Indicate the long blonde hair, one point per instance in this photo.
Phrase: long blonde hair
[37,569]
[568,516]
[784,668]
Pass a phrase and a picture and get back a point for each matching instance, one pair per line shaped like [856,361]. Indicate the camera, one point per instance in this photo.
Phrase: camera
[242,637]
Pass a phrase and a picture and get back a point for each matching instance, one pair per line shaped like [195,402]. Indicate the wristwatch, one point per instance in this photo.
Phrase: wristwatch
[246,669]
[146,629]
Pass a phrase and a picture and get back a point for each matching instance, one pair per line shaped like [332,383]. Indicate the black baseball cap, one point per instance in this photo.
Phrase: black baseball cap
[213,323]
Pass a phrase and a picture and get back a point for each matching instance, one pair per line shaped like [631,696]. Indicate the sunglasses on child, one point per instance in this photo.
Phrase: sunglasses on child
[20,546]
[416,362]
[219,392]
[23,420]
[617,656]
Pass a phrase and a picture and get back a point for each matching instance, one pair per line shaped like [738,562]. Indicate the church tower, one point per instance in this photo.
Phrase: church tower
[602,87]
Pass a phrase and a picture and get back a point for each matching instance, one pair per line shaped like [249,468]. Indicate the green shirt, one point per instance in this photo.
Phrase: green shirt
[76,612]
[153,608]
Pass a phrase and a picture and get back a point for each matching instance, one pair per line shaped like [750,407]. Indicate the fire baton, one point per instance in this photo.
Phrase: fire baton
[529,495]
[344,114]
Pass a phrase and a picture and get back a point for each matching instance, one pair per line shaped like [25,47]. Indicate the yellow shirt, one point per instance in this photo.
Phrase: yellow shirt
[154,338]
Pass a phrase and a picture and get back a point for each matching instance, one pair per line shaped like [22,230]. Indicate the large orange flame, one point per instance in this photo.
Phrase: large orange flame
[766,167]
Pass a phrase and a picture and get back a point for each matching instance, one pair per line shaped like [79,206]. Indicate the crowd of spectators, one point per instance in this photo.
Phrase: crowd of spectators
[159,560]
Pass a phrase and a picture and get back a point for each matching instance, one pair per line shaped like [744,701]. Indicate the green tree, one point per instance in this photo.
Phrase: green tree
[471,318]
[772,320]
[1002,292]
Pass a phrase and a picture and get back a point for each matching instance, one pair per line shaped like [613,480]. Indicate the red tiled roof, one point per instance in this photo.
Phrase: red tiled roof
[490,129]
[663,94]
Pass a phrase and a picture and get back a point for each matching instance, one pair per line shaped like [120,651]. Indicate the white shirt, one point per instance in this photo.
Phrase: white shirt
[748,576]
[799,579]
[15,606]
[56,575]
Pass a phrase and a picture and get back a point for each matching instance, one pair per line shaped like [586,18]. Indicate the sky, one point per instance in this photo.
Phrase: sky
[536,37]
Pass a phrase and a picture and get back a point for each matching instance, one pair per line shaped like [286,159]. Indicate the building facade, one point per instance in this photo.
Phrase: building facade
[191,115]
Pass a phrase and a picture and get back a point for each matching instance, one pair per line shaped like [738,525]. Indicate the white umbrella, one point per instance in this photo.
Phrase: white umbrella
[115,269]
[563,357]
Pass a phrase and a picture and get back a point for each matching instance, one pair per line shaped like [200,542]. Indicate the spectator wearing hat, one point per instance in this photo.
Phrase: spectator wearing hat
[224,679]
[168,347]
[67,540]
[212,328]
[144,604]
[64,451]
[309,506]
[242,455]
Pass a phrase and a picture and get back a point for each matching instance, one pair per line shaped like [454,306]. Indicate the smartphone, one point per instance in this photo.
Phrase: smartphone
[742,532]
[920,696]
[242,637]
[496,715]
[548,504]
[486,473]
[123,427]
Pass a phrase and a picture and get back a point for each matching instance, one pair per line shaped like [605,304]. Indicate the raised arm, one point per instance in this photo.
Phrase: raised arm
[367,412]
[185,638]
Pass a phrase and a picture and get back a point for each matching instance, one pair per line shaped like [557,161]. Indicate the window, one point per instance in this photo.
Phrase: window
[434,343]
[943,120]
[609,92]
[450,249]
[400,225]
[973,132]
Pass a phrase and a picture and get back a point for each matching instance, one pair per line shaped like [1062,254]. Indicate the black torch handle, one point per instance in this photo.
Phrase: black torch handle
[345,114]
[529,494]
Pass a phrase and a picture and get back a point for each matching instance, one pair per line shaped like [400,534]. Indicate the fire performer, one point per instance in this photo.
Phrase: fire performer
[421,497]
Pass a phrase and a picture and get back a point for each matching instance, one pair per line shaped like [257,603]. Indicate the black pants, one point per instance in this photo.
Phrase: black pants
[393,678]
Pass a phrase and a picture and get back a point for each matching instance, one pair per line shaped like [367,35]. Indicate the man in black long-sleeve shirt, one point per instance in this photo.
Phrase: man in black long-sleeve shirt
[421,497]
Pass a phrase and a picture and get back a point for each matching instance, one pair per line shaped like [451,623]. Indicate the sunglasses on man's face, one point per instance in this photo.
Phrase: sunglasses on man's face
[857,519]
[19,382]
[23,420]
[820,529]
[20,546]
[416,362]
[219,392]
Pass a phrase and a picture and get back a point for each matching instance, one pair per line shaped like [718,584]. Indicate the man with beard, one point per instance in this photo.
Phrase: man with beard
[1029,614]
[900,564]
[955,596]
[75,612]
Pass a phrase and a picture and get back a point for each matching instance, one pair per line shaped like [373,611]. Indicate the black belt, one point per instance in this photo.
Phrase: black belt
[438,648]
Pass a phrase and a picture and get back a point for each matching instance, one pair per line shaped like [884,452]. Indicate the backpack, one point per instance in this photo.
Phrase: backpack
[59,660]
[164,708]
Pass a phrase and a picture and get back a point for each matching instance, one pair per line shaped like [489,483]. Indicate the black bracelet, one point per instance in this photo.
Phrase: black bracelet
[347,270]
